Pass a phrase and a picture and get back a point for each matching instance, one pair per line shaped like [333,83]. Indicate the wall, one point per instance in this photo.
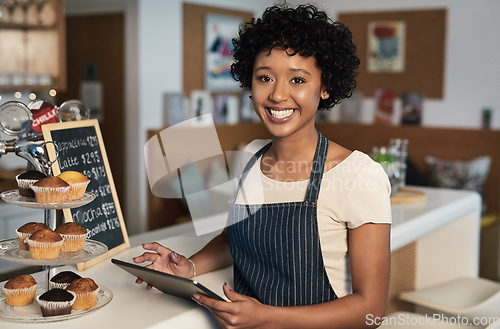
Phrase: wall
[154,62]
[472,73]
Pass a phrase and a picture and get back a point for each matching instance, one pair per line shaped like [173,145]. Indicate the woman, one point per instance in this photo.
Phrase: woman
[309,224]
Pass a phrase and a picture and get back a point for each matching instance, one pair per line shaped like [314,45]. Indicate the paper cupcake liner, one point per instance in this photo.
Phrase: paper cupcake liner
[52,308]
[77,190]
[25,186]
[50,194]
[73,242]
[44,250]
[25,183]
[85,300]
[20,297]
[59,285]
[21,237]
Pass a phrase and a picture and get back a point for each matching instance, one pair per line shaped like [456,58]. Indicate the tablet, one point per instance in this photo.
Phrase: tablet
[169,284]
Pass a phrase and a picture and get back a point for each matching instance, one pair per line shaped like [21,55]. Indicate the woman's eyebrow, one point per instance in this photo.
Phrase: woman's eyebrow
[260,68]
[300,70]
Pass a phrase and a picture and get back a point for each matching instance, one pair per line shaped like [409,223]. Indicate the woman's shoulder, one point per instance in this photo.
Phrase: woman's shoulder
[356,164]
[254,146]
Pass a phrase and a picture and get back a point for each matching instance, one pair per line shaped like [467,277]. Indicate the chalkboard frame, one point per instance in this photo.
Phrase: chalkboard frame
[47,130]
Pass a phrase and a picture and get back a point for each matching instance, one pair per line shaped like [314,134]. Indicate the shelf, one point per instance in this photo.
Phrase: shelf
[33,46]
[13,197]
[31,313]
[9,250]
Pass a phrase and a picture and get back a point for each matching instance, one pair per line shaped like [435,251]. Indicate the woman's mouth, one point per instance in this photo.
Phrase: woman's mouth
[280,115]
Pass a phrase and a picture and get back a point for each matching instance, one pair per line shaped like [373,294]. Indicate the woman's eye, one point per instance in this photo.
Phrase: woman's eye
[298,80]
[264,78]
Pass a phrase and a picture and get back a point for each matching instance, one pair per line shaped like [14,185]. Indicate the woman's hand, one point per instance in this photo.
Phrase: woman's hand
[241,312]
[164,260]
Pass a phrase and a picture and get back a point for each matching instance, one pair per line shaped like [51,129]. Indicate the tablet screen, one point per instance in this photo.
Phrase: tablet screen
[169,284]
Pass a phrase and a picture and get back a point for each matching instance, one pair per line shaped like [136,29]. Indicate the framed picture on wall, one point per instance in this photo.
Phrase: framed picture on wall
[386,45]
[219,32]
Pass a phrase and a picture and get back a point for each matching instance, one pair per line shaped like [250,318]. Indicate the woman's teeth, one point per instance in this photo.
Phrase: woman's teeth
[281,114]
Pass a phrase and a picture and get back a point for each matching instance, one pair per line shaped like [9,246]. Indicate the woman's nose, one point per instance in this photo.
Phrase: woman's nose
[279,92]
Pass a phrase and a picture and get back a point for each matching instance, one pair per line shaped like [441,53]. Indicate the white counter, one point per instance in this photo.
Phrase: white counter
[445,215]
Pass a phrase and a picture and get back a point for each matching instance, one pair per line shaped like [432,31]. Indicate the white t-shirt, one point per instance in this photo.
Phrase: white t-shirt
[354,192]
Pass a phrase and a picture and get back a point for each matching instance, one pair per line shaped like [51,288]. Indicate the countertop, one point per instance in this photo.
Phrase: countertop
[133,306]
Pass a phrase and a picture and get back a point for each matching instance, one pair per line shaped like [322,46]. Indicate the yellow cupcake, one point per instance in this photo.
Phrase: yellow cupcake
[77,183]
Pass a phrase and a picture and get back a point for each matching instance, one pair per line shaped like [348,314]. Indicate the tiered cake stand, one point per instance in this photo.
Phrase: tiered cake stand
[9,250]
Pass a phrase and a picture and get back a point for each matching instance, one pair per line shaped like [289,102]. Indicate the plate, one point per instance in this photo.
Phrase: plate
[9,250]
[31,313]
[13,197]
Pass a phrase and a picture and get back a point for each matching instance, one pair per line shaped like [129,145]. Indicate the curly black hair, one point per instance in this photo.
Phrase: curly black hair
[307,31]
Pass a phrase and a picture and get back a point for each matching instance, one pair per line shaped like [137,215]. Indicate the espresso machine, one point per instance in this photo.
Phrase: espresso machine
[24,122]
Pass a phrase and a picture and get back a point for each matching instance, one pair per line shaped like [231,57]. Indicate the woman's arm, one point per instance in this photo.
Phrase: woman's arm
[369,252]
[213,256]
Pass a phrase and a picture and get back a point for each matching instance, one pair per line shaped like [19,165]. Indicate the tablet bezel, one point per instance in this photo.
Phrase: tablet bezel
[167,283]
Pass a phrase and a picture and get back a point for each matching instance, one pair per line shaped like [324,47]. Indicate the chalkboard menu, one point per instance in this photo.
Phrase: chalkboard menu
[81,149]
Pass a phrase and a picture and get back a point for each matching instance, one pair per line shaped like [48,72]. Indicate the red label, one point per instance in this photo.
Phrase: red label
[43,113]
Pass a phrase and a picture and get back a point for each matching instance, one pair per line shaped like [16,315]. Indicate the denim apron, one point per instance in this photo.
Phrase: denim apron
[276,248]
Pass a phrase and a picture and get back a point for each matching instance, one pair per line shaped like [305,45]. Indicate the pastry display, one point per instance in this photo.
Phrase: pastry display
[77,184]
[67,290]
[51,190]
[20,290]
[74,236]
[26,180]
[26,231]
[45,244]
[86,291]
[63,279]
[56,301]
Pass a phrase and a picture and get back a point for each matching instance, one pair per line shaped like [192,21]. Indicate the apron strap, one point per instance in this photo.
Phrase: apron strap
[248,166]
[318,168]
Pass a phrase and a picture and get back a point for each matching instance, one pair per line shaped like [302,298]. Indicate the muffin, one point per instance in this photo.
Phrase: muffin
[63,279]
[20,291]
[77,184]
[26,179]
[25,232]
[74,236]
[56,301]
[51,190]
[45,244]
[86,291]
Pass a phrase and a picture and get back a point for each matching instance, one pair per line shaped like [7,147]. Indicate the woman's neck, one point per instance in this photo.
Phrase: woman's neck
[296,147]
[290,158]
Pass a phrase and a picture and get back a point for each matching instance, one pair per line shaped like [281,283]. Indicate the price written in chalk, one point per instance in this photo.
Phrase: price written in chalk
[90,158]
[95,172]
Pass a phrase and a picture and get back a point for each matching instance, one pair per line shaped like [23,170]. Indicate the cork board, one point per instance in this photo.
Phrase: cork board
[424,51]
[194,42]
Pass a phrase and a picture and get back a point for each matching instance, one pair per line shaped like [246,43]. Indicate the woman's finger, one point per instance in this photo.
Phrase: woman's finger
[155,246]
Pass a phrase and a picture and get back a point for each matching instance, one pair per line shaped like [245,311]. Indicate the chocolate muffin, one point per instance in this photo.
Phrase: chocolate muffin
[45,244]
[26,231]
[74,236]
[51,190]
[56,302]
[26,179]
[63,279]
[20,290]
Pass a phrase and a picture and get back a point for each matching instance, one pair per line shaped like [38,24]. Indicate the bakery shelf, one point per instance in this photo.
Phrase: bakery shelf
[13,197]
[31,313]
[9,250]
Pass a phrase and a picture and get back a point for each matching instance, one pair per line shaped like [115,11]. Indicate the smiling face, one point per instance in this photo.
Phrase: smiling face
[286,91]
